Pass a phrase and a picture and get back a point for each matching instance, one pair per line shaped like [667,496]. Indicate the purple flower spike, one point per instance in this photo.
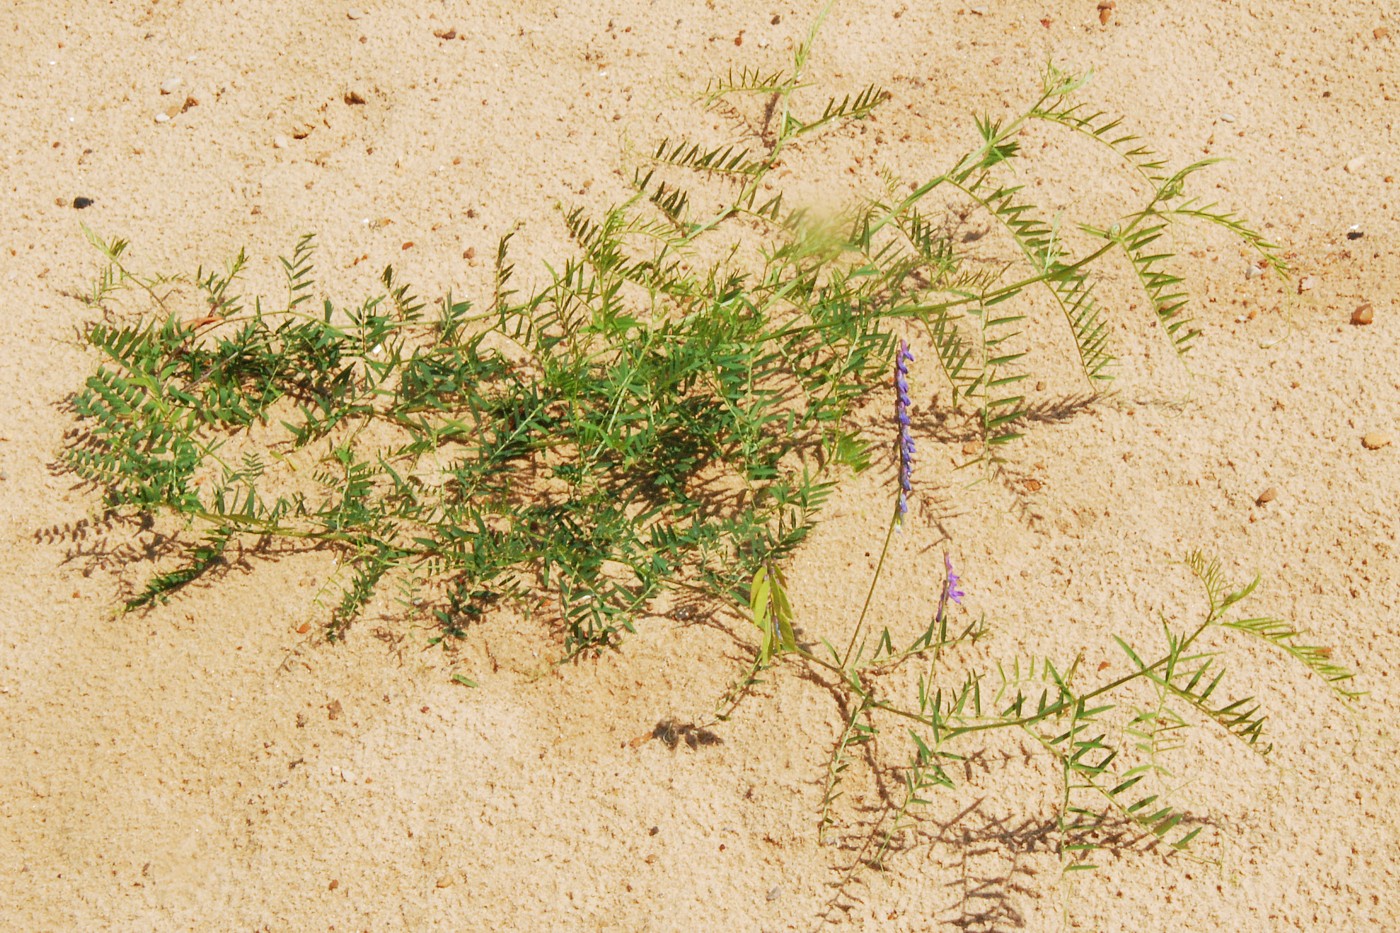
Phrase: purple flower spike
[902,360]
[955,594]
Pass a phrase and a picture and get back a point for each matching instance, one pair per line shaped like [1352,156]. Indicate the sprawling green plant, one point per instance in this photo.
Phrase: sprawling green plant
[643,420]
[669,409]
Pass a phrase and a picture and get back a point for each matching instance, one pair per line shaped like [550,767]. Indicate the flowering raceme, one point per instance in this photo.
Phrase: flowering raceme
[951,581]
[902,360]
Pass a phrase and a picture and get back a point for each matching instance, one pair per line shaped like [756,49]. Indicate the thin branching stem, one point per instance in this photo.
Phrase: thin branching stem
[870,593]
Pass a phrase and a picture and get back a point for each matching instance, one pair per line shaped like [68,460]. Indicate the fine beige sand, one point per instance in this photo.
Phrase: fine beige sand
[212,764]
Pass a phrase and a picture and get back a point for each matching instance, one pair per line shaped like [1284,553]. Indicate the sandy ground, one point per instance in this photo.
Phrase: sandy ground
[204,766]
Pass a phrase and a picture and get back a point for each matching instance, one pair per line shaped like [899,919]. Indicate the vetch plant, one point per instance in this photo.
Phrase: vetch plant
[669,410]
[646,419]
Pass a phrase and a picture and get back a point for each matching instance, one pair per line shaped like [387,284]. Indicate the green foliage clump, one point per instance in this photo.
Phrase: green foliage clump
[645,419]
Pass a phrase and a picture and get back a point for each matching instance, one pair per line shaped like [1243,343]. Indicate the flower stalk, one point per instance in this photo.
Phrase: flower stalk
[906,439]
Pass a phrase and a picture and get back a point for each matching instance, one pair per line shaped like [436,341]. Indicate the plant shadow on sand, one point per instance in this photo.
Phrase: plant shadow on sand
[993,858]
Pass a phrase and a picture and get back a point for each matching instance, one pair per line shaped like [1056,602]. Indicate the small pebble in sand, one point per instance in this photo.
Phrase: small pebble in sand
[1267,496]
[170,85]
[353,14]
[80,202]
[1354,165]
[1228,117]
[446,881]
[162,118]
[776,892]
[1375,440]
[280,142]
[1363,315]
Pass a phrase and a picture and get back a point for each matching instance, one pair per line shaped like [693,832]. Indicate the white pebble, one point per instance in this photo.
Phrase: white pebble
[162,118]
[1354,165]
[353,14]
[170,85]
[280,142]
[1228,117]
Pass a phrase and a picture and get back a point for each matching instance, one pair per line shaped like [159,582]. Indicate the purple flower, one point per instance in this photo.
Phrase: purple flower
[951,581]
[902,360]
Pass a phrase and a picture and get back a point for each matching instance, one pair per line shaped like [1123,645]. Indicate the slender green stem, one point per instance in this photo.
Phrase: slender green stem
[855,633]
[1056,709]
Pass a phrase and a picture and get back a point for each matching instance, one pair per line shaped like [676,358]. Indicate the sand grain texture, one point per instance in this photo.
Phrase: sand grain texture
[182,769]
